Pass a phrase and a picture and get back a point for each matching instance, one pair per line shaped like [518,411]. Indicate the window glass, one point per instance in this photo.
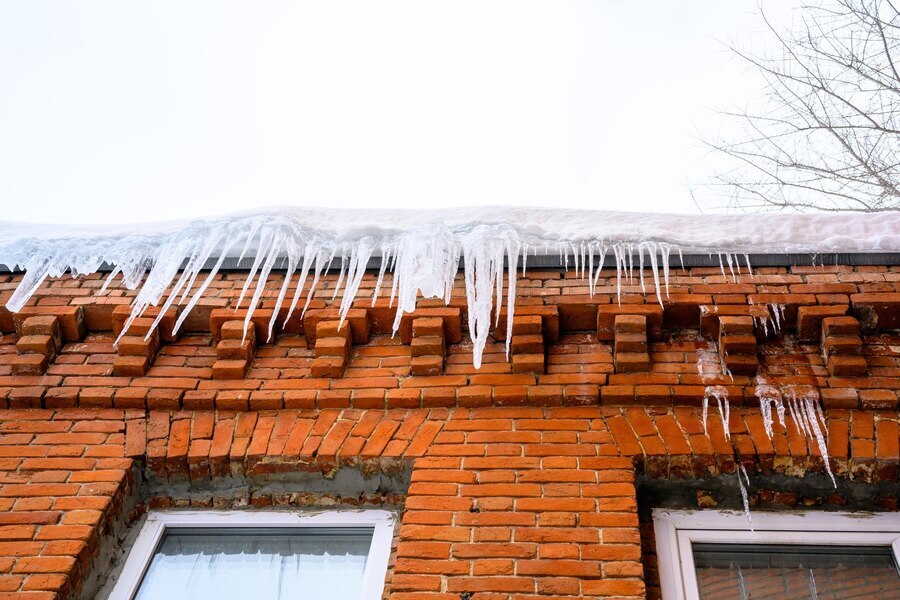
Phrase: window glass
[258,563]
[782,572]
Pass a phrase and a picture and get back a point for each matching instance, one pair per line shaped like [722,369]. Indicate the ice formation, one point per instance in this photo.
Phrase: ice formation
[806,413]
[711,367]
[745,497]
[423,250]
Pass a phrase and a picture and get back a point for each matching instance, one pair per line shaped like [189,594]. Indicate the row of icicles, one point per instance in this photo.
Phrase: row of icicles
[774,403]
[424,263]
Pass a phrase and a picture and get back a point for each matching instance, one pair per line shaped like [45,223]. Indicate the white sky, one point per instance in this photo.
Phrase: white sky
[125,111]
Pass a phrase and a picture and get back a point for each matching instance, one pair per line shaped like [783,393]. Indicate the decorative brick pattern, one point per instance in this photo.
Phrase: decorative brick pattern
[333,344]
[842,347]
[607,315]
[631,344]
[526,346]
[70,318]
[737,345]
[40,339]
[234,351]
[137,350]
[428,346]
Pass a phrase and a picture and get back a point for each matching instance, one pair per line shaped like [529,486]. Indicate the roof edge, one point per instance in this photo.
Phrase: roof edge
[544,262]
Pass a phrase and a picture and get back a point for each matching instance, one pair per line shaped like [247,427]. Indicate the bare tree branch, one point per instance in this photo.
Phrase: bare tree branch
[827,136]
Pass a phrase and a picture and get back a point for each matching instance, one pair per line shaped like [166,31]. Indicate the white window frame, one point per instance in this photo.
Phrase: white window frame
[676,530]
[159,521]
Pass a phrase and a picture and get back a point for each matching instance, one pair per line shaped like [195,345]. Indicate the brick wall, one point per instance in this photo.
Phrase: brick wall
[521,475]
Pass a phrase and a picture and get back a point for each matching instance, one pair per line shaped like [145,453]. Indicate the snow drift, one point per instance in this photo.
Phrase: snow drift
[423,250]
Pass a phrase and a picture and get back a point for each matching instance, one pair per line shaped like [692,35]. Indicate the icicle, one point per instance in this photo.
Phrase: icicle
[309,254]
[112,274]
[511,251]
[777,311]
[266,239]
[627,269]
[720,393]
[385,256]
[798,422]
[654,267]
[600,260]
[618,274]
[357,270]
[340,279]
[274,249]
[640,249]
[498,293]
[483,263]
[590,277]
[730,266]
[190,271]
[821,416]
[744,495]
[288,275]
[741,585]
[394,288]
[820,439]
[321,266]
[575,258]
[199,293]
[524,257]
[779,407]
[705,412]
[666,250]
[765,410]
[726,416]
[584,253]
[747,260]
[813,589]
[768,396]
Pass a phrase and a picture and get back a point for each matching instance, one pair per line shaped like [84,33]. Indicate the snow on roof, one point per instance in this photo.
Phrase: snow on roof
[422,248]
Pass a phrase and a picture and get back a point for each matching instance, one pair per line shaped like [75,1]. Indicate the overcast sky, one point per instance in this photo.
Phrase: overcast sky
[125,111]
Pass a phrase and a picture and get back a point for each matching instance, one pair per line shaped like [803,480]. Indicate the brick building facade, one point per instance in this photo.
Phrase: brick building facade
[533,476]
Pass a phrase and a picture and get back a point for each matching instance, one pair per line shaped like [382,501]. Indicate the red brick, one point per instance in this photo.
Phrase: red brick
[230,369]
[131,366]
[809,319]
[36,344]
[28,364]
[606,315]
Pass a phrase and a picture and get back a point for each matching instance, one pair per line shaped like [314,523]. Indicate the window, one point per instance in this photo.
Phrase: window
[249,554]
[787,556]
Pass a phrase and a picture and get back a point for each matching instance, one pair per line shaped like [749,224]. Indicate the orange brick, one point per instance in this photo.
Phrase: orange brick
[809,319]
[427,345]
[36,344]
[427,365]
[28,364]
[130,366]
[229,369]
[527,344]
